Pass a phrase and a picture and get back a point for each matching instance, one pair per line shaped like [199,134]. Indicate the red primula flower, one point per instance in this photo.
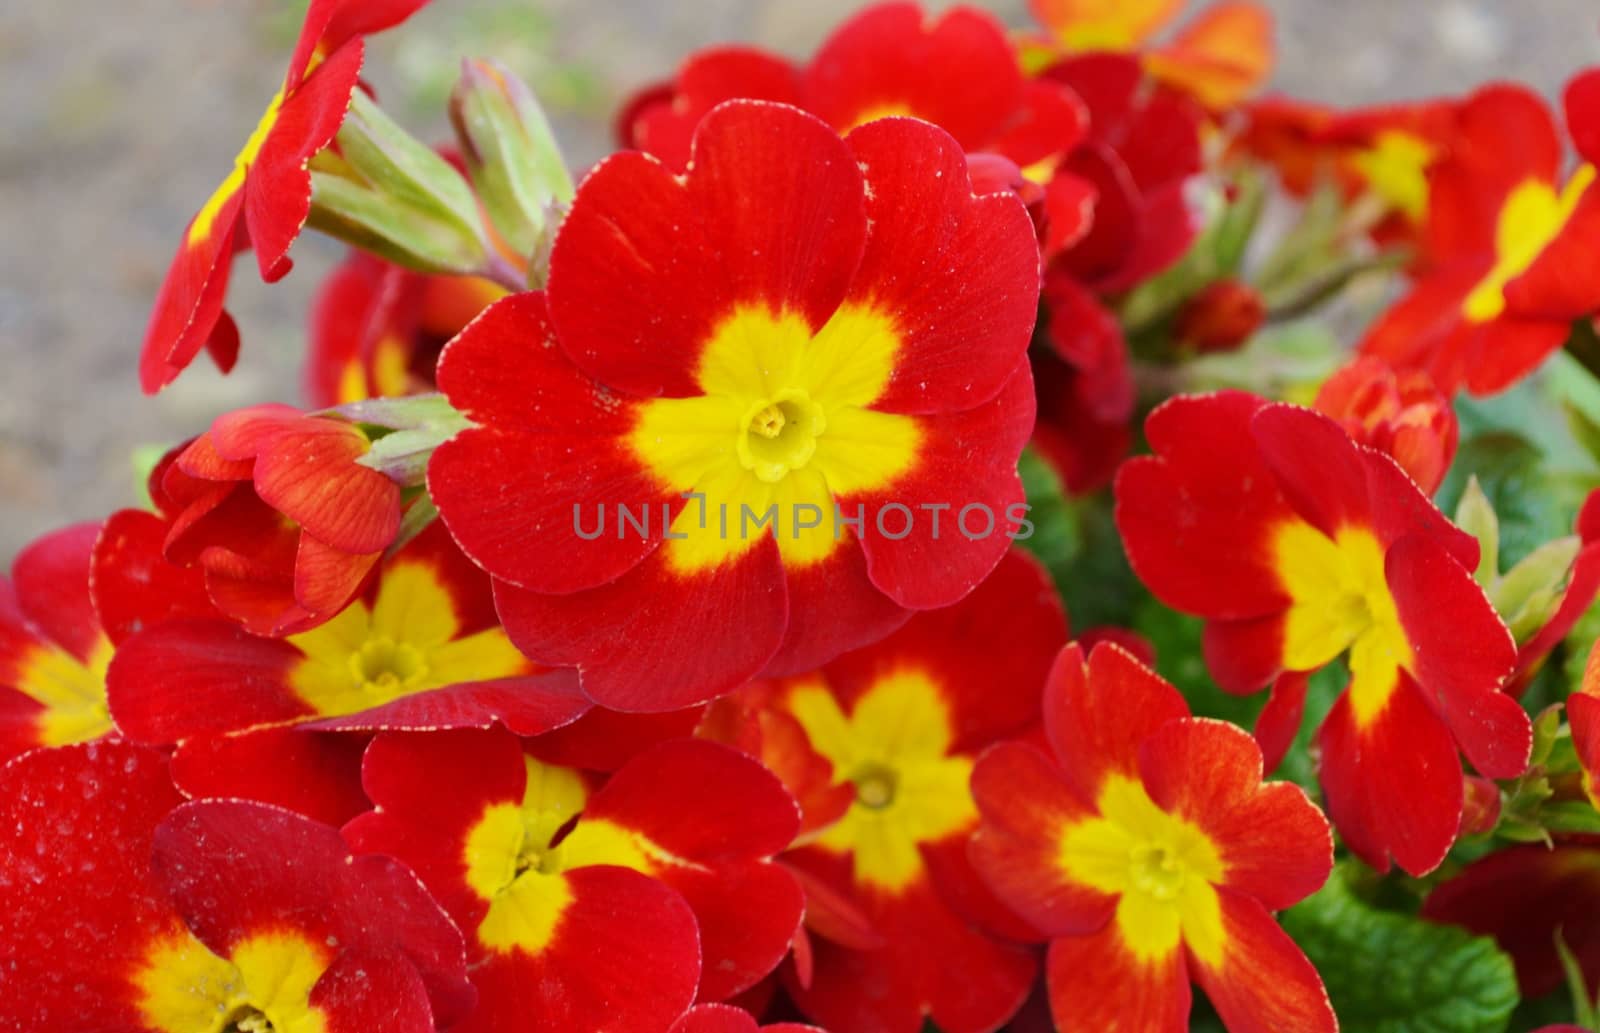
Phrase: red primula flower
[377,329]
[265,200]
[1508,237]
[1219,58]
[1401,414]
[1130,171]
[1148,851]
[1383,152]
[272,504]
[73,596]
[1524,896]
[957,70]
[1115,215]
[878,746]
[419,648]
[725,1018]
[129,910]
[585,906]
[763,381]
[1297,545]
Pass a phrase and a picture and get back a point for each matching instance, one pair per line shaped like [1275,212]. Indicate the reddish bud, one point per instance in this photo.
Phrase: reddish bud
[273,506]
[1220,318]
[1402,414]
[1481,807]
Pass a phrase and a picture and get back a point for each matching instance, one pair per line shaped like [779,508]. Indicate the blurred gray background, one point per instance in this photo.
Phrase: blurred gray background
[117,119]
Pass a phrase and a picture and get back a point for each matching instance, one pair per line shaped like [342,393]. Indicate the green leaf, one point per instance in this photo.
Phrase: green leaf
[1571,817]
[1098,584]
[1390,972]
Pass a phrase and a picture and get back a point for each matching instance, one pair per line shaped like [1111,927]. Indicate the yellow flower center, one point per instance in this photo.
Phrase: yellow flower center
[781,435]
[385,668]
[1396,169]
[408,641]
[895,747]
[1340,600]
[1162,868]
[263,986]
[71,693]
[783,426]
[517,855]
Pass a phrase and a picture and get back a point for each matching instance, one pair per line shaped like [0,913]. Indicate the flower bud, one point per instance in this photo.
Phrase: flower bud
[512,156]
[386,192]
[1220,318]
[1402,414]
[276,509]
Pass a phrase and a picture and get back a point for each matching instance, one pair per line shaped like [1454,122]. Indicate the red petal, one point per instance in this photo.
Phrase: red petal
[1196,517]
[1279,721]
[1523,896]
[1581,99]
[1462,654]
[647,266]
[277,190]
[956,70]
[1096,716]
[895,988]
[966,463]
[1263,982]
[367,990]
[1026,806]
[617,922]
[133,584]
[316,775]
[539,478]
[188,305]
[1394,787]
[987,694]
[664,124]
[189,677]
[1097,984]
[81,905]
[957,274]
[51,575]
[310,474]
[653,640]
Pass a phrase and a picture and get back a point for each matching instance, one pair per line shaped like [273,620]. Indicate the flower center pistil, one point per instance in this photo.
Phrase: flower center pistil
[875,786]
[382,666]
[1156,870]
[779,434]
[248,1019]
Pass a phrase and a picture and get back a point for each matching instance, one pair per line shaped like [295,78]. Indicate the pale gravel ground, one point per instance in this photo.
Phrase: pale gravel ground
[118,117]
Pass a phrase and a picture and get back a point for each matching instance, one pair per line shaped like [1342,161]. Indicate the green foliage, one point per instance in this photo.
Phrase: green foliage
[1054,541]
[1511,471]
[1390,972]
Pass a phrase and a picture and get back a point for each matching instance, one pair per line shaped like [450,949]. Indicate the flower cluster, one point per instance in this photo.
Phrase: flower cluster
[895,547]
